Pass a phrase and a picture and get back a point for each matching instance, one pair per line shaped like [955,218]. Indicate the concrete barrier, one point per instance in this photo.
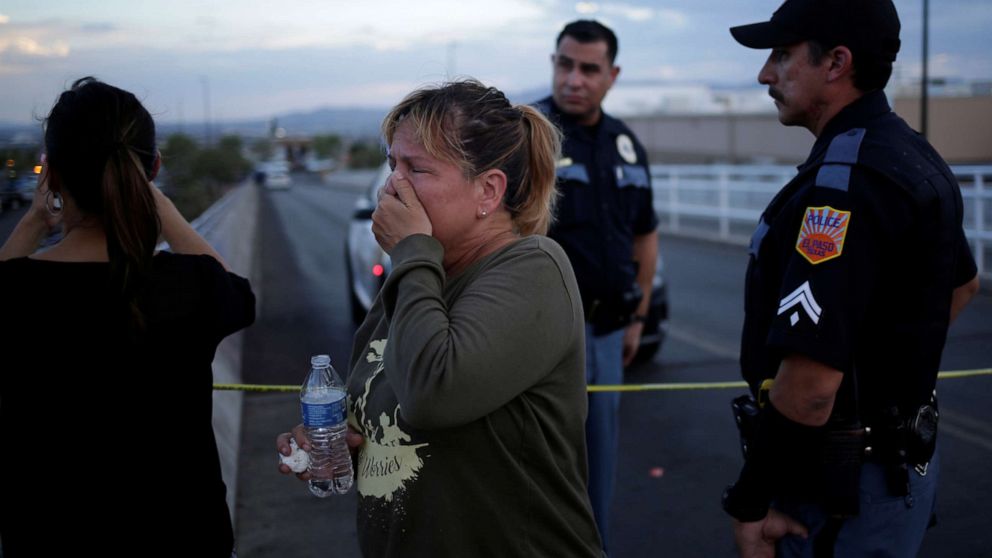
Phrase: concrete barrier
[230,227]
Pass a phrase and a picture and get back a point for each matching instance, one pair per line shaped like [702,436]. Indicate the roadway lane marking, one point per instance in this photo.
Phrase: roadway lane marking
[964,435]
[965,420]
[715,347]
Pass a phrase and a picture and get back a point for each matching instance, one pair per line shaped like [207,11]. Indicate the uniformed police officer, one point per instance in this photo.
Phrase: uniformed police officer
[607,226]
[857,268]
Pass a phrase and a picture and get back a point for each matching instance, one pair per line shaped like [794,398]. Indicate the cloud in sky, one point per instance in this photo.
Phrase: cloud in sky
[31,47]
[702,72]
[192,26]
[264,57]
[668,18]
[23,47]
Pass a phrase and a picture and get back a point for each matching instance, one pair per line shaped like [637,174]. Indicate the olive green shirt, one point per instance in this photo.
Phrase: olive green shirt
[470,393]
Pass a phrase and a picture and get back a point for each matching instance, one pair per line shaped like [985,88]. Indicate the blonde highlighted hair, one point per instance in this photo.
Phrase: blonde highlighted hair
[478,129]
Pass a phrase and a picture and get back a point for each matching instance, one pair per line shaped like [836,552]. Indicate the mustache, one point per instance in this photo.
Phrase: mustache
[775,94]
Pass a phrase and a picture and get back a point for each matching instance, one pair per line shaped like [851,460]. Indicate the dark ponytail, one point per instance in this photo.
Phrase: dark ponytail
[131,224]
[101,143]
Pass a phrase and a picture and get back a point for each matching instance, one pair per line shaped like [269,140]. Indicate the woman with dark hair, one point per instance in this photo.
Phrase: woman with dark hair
[467,384]
[106,383]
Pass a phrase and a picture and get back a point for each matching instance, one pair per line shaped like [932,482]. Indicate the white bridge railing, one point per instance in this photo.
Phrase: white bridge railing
[724,202]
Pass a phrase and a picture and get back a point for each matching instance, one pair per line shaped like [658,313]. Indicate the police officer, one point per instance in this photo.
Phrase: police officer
[606,224]
[857,268]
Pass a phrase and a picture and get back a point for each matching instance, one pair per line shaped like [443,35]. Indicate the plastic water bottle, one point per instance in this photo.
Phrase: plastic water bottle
[323,406]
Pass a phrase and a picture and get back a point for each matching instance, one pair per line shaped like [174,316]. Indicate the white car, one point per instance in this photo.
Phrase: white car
[278,181]
[368,267]
[367,264]
[274,175]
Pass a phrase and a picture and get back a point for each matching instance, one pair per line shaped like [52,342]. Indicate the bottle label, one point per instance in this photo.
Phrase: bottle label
[324,414]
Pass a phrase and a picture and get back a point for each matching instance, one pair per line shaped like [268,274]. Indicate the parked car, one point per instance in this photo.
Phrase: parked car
[367,264]
[654,326]
[367,267]
[278,181]
[274,175]
[18,191]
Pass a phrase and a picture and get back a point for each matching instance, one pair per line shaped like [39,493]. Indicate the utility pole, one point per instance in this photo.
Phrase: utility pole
[205,83]
[182,119]
[924,82]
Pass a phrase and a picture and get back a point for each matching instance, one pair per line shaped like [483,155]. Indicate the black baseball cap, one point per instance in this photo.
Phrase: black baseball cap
[867,27]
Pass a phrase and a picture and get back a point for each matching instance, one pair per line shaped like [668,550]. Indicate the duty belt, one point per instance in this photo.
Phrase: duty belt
[900,439]
[605,316]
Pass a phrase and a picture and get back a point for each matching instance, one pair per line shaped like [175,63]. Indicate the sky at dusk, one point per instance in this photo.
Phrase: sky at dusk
[256,59]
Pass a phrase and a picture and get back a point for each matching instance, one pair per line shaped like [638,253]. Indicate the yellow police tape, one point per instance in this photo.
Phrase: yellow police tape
[680,386]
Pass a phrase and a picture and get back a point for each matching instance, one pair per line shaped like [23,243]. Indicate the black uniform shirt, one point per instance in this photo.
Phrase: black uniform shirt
[854,262]
[606,201]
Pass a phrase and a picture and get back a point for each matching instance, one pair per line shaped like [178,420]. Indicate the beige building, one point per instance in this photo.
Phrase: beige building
[960,129]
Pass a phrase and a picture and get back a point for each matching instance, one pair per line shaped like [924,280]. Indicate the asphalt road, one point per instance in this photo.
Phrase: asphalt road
[691,434]
[677,449]
[302,311]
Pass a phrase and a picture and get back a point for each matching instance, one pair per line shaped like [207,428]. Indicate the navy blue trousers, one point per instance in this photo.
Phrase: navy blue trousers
[887,525]
[604,365]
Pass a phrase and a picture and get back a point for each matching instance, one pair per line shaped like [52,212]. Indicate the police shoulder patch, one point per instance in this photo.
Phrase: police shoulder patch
[822,234]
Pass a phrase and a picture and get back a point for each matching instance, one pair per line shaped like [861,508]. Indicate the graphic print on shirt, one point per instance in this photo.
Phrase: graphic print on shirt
[822,234]
[387,462]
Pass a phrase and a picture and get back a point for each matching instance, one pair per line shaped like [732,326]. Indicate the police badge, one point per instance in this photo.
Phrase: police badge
[625,146]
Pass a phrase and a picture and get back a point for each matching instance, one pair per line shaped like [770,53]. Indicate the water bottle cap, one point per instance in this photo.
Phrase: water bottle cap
[320,360]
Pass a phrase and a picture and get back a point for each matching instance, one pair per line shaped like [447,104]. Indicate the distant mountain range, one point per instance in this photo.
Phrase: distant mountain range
[347,122]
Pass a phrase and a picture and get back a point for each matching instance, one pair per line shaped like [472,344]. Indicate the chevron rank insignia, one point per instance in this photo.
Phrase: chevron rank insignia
[821,237]
[800,299]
